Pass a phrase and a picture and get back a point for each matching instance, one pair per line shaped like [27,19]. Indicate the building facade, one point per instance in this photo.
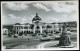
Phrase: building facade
[37,27]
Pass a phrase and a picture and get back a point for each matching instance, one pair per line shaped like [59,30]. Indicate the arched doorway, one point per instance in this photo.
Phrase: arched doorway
[37,27]
[37,31]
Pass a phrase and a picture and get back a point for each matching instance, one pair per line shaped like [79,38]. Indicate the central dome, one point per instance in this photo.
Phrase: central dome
[36,18]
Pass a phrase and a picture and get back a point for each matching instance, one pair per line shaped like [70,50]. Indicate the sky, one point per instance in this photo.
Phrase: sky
[49,12]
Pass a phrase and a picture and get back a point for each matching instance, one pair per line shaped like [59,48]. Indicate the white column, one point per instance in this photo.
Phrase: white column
[34,29]
[61,29]
[41,29]
[23,30]
[16,30]
[53,28]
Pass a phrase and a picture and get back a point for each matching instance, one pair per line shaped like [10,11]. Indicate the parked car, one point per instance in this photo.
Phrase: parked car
[57,37]
[45,39]
[15,36]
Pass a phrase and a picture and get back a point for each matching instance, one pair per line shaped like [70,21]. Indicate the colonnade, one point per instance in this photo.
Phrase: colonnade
[20,28]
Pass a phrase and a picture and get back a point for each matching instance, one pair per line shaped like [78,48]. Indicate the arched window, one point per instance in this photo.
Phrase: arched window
[43,26]
[51,31]
[17,28]
[37,27]
[17,32]
[37,31]
[31,32]
[26,32]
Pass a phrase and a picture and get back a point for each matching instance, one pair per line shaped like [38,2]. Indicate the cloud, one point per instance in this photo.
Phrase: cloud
[18,19]
[65,8]
[50,19]
[23,19]
[62,18]
[41,6]
[16,6]
[56,6]
[67,18]
[62,7]
[13,16]
[27,19]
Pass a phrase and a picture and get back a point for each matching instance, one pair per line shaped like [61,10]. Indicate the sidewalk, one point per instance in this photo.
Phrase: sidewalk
[51,44]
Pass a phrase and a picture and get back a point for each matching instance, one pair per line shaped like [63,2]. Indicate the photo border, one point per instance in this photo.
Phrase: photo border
[40,49]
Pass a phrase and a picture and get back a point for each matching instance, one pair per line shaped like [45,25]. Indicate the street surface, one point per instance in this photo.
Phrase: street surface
[31,43]
[20,43]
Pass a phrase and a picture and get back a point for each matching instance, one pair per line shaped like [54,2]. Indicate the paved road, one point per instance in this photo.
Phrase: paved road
[20,43]
[24,43]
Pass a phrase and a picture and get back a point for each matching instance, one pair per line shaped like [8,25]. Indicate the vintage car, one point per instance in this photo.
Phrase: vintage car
[57,37]
[45,38]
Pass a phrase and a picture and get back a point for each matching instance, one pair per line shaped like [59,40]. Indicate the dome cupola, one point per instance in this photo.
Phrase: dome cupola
[36,18]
